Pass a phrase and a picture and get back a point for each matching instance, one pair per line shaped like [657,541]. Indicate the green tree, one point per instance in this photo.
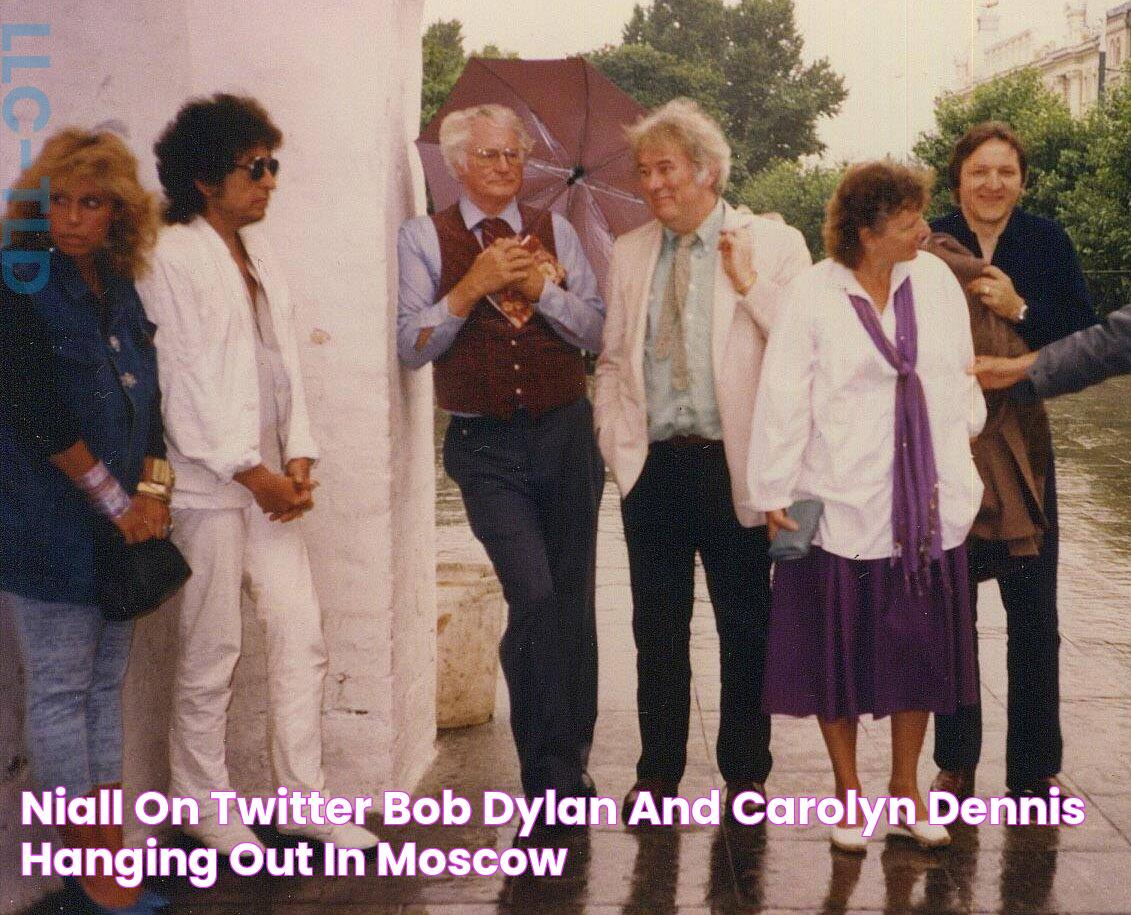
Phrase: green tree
[653,77]
[1055,143]
[444,60]
[741,62]
[1096,208]
[493,50]
[443,63]
[798,192]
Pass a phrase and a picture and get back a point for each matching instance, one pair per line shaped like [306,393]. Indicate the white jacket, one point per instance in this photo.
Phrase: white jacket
[739,328]
[824,419]
[206,361]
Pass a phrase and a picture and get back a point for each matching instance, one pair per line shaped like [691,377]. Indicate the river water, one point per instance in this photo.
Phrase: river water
[1093,433]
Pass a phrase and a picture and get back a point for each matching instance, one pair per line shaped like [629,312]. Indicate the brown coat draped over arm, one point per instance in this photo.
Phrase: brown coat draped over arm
[1014,451]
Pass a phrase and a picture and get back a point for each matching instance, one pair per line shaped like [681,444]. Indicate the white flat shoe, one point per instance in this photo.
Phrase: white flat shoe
[346,835]
[223,838]
[850,839]
[928,835]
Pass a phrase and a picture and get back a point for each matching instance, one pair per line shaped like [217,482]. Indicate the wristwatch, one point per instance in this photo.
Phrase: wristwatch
[1022,312]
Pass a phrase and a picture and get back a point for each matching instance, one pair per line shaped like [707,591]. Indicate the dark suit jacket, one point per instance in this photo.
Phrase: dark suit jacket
[1037,255]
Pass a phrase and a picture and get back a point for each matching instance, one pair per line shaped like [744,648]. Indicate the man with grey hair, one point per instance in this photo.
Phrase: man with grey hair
[501,300]
[692,298]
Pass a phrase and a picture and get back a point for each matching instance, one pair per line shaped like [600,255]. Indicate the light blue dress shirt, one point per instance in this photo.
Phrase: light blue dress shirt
[576,314]
[694,411]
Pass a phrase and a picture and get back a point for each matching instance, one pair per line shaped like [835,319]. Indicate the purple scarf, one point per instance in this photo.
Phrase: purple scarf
[915,496]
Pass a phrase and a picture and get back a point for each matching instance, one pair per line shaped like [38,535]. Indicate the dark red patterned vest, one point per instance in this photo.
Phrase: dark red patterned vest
[491,367]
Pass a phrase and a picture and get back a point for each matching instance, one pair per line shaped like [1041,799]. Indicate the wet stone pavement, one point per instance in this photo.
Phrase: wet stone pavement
[1083,869]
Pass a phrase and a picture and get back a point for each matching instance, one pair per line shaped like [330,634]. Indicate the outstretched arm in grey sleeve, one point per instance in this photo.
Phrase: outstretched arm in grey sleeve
[1067,365]
[1084,358]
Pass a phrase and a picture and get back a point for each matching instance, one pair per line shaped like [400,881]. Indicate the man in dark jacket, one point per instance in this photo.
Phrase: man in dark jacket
[1033,279]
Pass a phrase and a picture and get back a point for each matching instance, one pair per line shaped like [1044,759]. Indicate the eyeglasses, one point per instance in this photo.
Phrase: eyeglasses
[258,167]
[510,156]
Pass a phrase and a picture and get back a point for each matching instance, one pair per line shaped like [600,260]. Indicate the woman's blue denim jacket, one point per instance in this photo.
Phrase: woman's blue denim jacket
[107,380]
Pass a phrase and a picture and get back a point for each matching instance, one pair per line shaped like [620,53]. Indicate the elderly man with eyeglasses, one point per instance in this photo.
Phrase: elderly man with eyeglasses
[501,300]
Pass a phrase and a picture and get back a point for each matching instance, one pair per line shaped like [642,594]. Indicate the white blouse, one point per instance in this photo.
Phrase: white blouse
[824,418]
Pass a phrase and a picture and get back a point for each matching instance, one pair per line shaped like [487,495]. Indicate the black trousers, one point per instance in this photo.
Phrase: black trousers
[680,506]
[531,488]
[1033,743]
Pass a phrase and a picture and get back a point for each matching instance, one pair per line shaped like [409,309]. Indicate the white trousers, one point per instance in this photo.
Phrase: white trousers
[229,550]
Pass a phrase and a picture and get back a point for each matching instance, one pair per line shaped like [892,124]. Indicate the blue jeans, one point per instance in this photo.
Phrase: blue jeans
[74,663]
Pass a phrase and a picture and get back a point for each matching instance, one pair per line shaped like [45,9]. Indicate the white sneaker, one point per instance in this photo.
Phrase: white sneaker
[346,835]
[223,838]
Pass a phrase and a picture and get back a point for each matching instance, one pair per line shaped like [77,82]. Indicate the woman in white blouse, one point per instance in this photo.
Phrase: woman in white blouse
[864,404]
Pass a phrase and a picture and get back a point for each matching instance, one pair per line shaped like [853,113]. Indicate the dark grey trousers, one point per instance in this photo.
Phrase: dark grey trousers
[532,488]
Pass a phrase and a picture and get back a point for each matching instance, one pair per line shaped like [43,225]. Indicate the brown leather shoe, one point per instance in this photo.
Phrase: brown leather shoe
[659,788]
[959,782]
[734,789]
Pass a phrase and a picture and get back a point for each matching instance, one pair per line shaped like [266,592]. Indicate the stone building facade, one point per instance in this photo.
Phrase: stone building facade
[1084,63]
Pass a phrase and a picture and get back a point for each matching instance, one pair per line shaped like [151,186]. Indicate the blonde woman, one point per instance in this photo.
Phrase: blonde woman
[80,437]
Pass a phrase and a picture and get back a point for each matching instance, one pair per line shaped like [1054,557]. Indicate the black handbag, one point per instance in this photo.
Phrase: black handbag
[135,579]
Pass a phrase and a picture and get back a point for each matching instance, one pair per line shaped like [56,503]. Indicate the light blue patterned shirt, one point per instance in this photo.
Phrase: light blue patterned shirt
[694,411]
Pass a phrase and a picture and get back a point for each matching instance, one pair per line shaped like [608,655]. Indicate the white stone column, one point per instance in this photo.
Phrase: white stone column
[341,78]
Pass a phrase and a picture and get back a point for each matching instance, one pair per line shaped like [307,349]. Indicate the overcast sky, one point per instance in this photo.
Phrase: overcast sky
[895,55]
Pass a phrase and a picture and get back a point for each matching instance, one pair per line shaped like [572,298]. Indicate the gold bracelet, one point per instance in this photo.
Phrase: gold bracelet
[156,490]
[160,471]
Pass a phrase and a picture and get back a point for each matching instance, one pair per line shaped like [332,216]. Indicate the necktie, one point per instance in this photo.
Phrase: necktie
[669,340]
[494,228]
[516,307]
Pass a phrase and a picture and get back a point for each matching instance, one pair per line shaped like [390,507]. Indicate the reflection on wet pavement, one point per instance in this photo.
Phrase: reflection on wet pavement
[729,868]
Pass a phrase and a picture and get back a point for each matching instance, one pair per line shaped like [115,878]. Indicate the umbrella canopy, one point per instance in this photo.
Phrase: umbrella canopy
[581,165]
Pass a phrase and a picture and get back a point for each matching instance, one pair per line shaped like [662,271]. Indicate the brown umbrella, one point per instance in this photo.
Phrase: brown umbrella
[581,165]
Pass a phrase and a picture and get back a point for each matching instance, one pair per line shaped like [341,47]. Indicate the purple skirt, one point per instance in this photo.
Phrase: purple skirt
[848,637]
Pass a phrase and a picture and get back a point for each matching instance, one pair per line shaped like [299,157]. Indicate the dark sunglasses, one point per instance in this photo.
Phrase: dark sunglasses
[257,168]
